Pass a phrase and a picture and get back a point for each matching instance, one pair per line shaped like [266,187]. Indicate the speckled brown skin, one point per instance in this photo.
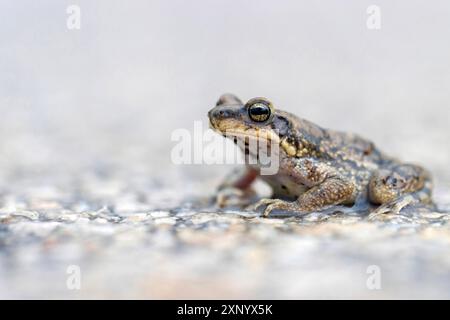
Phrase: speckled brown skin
[317,167]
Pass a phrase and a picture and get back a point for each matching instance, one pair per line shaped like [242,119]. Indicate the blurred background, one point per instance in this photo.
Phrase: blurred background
[135,71]
[86,115]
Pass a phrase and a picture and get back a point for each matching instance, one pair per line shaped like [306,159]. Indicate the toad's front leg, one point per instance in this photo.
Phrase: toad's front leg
[326,187]
[332,191]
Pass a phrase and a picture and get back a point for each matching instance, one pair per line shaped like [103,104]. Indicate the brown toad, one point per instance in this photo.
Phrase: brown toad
[318,168]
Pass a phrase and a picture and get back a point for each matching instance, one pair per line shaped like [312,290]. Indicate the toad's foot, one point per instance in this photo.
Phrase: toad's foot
[275,204]
[394,206]
[234,197]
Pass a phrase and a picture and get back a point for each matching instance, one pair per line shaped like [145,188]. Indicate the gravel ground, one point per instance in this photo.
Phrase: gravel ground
[128,245]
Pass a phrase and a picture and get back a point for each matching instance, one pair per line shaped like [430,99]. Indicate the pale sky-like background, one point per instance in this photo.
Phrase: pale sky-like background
[116,89]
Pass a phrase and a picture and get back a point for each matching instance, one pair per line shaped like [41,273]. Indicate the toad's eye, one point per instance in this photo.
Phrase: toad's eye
[259,111]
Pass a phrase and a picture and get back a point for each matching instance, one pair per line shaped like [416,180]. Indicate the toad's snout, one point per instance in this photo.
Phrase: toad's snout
[221,113]
[220,116]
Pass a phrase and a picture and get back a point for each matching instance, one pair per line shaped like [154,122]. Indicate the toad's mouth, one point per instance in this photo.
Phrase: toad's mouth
[254,144]
[258,144]
[262,136]
[249,138]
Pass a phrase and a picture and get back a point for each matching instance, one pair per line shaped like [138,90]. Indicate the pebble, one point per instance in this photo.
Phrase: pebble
[159,214]
[169,221]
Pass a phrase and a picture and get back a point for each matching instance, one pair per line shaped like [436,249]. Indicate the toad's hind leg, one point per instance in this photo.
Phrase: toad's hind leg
[398,182]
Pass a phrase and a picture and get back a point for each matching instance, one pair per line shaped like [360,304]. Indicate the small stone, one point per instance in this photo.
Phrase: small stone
[69,217]
[32,215]
[137,217]
[159,214]
[169,221]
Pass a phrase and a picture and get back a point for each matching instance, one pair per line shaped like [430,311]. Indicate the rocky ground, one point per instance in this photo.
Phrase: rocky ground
[133,237]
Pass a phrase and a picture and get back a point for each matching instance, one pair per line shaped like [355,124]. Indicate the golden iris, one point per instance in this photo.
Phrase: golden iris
[259,112]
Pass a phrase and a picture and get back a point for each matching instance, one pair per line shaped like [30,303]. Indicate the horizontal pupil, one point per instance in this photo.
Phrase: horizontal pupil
[259,110]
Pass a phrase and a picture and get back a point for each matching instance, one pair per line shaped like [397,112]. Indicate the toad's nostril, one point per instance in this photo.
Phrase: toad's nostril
[220,113]
[224,114]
